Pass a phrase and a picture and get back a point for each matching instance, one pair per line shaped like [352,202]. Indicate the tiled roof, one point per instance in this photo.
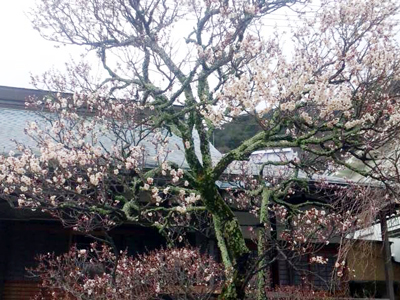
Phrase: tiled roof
[13,120]
[12,124]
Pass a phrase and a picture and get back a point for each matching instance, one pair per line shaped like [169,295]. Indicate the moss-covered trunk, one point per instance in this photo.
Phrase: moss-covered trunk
[262,276]
[230,241]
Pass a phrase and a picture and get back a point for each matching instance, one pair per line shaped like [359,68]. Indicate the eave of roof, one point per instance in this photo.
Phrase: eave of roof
[13,97]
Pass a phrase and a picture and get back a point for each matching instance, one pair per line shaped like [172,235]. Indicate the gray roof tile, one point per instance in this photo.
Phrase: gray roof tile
[13,122]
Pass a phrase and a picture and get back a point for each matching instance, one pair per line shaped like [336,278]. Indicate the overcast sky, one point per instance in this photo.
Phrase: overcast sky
[22,49]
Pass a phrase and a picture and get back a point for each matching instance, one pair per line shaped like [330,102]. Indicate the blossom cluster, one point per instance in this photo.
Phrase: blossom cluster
[89,149]
[315,226]
[324,80]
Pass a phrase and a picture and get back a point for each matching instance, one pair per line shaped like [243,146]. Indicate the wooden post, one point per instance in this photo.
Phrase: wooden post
[387,256]
[4,251]
[274,238]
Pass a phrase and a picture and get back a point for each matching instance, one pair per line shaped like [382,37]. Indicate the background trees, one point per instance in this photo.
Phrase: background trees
[327,92]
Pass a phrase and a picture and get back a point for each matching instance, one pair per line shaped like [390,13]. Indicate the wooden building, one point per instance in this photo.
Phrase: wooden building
[24,234]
